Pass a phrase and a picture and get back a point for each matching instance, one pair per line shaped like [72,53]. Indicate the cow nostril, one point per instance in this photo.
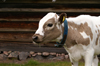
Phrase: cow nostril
[35,37]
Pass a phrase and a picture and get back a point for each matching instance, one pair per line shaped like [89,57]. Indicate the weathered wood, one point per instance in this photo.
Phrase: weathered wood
[39,13]
[19,20]
[76,10]
[19,25]
[21,15]
[47,5]
[50,1]
[29,47]
[14,36]
[16,30]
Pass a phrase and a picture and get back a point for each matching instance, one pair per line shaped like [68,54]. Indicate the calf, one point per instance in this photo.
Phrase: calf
[83,38]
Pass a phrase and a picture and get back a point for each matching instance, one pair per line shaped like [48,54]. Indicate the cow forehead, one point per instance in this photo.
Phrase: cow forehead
[43,21]
[46,18]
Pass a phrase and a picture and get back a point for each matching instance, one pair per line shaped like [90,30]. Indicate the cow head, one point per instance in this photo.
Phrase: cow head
[50,28]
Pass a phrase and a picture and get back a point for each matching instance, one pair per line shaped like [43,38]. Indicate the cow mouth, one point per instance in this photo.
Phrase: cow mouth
[40,42]
[36,42]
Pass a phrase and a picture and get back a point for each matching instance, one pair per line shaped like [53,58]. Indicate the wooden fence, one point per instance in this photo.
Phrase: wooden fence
[19,20]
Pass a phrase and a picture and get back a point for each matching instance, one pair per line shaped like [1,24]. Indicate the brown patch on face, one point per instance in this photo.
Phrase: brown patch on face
[52,33]
[74,37]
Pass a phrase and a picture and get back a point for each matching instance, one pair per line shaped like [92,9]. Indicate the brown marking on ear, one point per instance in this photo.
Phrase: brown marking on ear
[61,17]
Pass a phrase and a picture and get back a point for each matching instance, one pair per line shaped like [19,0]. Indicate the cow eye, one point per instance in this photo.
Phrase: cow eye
[50,25]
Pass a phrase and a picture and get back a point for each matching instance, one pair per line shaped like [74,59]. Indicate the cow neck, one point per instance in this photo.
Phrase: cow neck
[60,44]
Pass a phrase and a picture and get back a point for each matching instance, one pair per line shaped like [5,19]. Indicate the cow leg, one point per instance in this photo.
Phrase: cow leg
[74,63]
[95,61]
[89,57]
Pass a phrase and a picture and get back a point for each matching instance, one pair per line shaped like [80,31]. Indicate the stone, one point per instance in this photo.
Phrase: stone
[23,55]
[9,52]
[39,57]
[66,56]
[32,52]
[29,56]
[53,53]
[45,53]
[39,53]
[3,57]
[57,55]
[50,56]
[62,54]
[5,52]
[58,58]
[13,54]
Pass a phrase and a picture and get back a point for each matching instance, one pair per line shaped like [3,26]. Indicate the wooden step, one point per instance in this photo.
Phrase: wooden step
[16,30]
[16,36]
[72,10]
[29,13]
[17,24]
[50,1]
[29,47]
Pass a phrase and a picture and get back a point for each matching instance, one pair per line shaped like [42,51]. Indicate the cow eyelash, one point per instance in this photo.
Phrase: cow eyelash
[50,25]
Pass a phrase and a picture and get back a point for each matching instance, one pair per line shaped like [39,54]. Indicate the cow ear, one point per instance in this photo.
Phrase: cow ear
[62,17]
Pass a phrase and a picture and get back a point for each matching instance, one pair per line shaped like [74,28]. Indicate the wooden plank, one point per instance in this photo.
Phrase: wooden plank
[16,30]
[29,47]
[14,36]
[16,40]
[20,20]
[50,1]
[19,37]
[76,10]
[21,15]
[39,13]
[24,26]
[49,5]
[49,44]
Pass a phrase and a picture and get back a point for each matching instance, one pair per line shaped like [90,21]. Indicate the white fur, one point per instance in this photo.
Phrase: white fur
[84,35]
[92,49]
[43,20]
[79,51]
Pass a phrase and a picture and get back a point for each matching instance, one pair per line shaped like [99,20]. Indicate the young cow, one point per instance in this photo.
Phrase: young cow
[83,38]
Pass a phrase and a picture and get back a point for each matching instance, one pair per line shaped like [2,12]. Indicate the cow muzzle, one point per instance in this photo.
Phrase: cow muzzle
[37,38]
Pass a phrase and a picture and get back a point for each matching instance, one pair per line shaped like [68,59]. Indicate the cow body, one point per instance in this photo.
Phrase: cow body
[83,39]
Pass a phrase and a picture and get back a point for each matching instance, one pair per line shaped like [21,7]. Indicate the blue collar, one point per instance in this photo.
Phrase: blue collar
[60,44]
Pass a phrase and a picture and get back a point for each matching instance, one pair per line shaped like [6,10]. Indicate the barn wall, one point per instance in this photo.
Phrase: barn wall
[19,18]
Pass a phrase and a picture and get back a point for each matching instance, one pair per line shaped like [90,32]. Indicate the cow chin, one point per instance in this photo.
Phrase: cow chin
[41,42]
[37,42]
